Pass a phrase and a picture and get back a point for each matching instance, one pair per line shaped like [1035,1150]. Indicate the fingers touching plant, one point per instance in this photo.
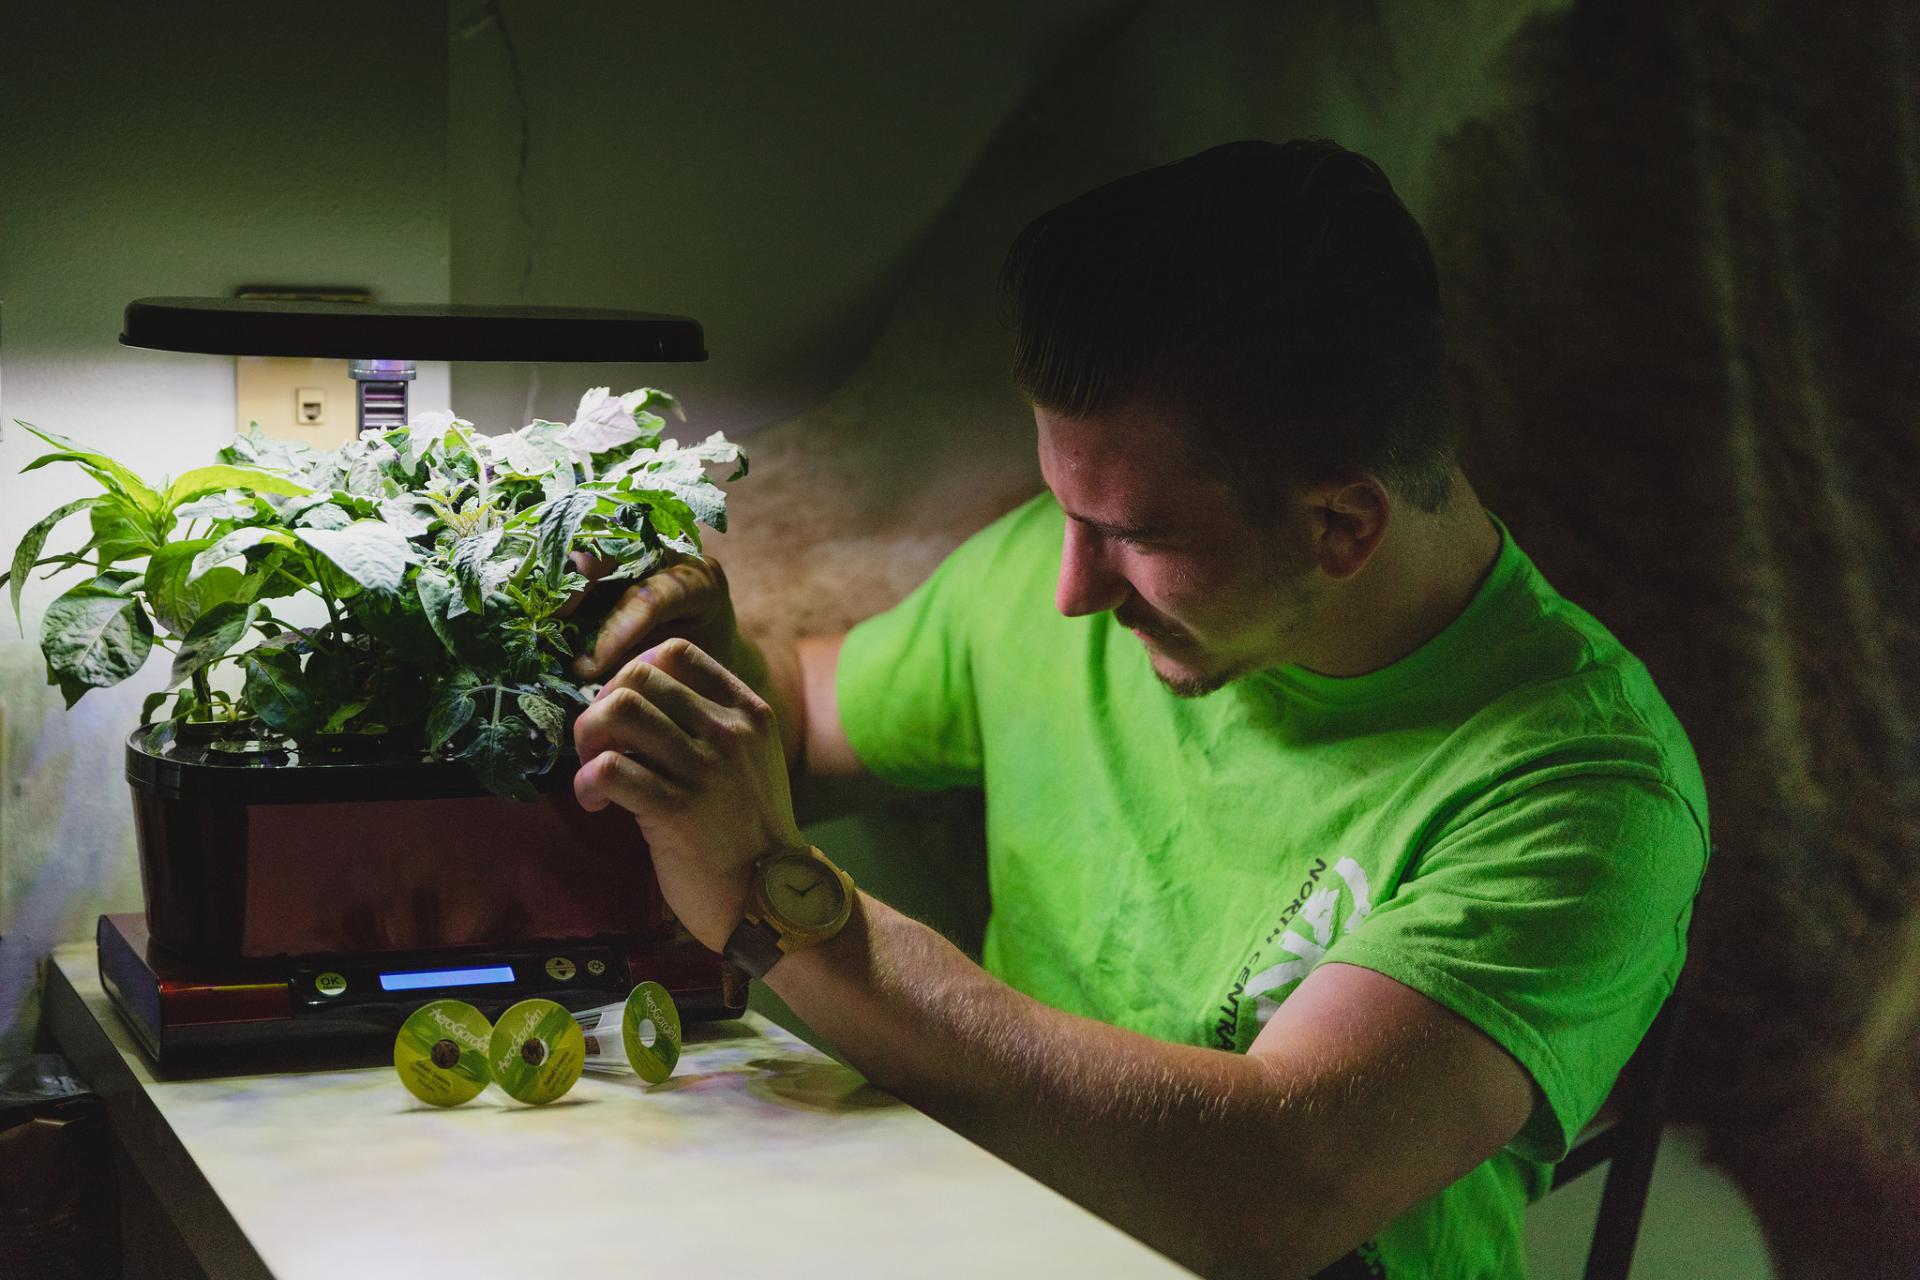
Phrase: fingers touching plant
[443,558]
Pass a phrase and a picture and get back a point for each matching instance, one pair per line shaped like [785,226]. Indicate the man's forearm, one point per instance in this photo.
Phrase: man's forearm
[1197,1152]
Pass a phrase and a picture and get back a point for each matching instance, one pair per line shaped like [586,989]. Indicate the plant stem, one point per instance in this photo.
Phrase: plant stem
[526,564]
[203,690]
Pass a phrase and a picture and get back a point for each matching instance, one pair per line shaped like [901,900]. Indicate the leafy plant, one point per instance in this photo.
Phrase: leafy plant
[443,557]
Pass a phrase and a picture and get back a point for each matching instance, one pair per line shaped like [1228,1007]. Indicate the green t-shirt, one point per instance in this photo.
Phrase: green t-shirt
[1509,820]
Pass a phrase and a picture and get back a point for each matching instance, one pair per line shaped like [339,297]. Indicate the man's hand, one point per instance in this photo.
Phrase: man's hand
[688,599]
[694,754]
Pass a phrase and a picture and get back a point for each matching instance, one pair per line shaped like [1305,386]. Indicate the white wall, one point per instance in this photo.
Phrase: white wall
[184,148]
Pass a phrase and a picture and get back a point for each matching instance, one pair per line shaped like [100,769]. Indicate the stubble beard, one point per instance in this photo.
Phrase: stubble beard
[1300,602]
[1187,685]
[1195,686]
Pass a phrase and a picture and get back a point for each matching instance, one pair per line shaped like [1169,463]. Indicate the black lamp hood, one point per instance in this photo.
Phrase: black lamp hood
[386,331]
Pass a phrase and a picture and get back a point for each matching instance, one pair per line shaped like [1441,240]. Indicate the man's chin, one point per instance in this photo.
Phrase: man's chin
[1186,682]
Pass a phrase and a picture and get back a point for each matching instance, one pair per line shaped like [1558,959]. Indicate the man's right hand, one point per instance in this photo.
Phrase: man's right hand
[688,599]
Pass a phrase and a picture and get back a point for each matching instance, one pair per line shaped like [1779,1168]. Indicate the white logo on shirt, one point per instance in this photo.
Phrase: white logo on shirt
[1306,936]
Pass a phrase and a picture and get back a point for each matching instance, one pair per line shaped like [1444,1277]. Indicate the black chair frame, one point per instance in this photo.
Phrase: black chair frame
[1631,1142]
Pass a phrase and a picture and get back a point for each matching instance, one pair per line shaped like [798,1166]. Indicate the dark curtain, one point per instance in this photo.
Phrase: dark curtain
[1684,270]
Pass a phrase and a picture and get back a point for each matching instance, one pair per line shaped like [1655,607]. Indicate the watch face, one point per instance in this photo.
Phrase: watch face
[804,892]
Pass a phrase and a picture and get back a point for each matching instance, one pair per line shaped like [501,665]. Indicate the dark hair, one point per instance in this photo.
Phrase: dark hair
[1276,297]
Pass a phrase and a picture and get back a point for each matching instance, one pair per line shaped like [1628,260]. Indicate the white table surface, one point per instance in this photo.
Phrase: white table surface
[760,1157]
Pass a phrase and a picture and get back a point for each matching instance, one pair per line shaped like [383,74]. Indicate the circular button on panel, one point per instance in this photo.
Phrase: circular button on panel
[559,968]
[596,967]
[330,984]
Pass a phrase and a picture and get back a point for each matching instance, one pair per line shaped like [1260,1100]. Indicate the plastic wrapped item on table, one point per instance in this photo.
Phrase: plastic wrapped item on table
[639,1036]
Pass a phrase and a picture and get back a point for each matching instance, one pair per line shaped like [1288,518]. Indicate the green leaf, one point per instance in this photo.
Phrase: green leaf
[187,705]
[469,562]
[117,479]
[682,473]
[237,543]
[325,515]
[399,626]
[277,691]
[537,450]
[119,530]
[436,596]
[178,597]
[221,506]
[669,516]
[603,422]
[212,638]
[28,552]
[371,552]
[334,676]
[278,573]
[559,522]
[548,718]
[293,508]
[203,480]
[71,690]
[367,461]
[501,755]
[568,692]
[716,448]
[93,636]
[424,432]
[705,499]
[409,514]
[257,449]
[452,708]
[337,722]
[151,704]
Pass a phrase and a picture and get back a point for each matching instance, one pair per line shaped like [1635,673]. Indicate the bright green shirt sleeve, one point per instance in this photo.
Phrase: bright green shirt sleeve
[1555,922]
[905,682]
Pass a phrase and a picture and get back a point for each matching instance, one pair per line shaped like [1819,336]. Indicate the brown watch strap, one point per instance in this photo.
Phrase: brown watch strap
[754,946]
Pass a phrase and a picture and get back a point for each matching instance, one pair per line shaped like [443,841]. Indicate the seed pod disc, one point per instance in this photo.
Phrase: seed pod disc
[651,1017]
[441,1052]
[536,1051]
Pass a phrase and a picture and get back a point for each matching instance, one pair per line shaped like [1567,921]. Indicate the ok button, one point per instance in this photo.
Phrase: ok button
[330,984]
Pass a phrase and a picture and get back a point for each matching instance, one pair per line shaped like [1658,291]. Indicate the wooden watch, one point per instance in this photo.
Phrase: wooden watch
[796,898]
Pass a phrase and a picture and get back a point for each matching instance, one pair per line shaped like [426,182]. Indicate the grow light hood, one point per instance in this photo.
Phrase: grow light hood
[388,331]
[383,340]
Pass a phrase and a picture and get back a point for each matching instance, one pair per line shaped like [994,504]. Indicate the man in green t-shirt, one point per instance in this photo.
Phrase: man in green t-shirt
[1337,862]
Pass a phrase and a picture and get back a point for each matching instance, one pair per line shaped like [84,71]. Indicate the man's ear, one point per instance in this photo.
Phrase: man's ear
[1351,511]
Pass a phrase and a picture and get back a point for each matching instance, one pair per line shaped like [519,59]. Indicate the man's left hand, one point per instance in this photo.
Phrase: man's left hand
[694,755]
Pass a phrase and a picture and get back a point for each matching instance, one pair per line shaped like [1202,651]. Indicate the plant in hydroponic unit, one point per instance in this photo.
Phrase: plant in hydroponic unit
[443,558]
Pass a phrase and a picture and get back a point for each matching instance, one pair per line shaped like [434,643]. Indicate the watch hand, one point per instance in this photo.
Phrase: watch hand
[798,892]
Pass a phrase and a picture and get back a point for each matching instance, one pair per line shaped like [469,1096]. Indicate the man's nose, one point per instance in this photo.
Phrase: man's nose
[1088,582]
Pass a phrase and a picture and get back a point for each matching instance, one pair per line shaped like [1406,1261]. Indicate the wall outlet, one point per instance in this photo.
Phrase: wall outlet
[295,398]
[310,406]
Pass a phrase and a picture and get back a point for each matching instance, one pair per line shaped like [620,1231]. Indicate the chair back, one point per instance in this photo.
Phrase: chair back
[1629,1144]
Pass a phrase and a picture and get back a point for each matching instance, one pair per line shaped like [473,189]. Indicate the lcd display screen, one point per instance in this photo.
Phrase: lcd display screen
[445,978]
